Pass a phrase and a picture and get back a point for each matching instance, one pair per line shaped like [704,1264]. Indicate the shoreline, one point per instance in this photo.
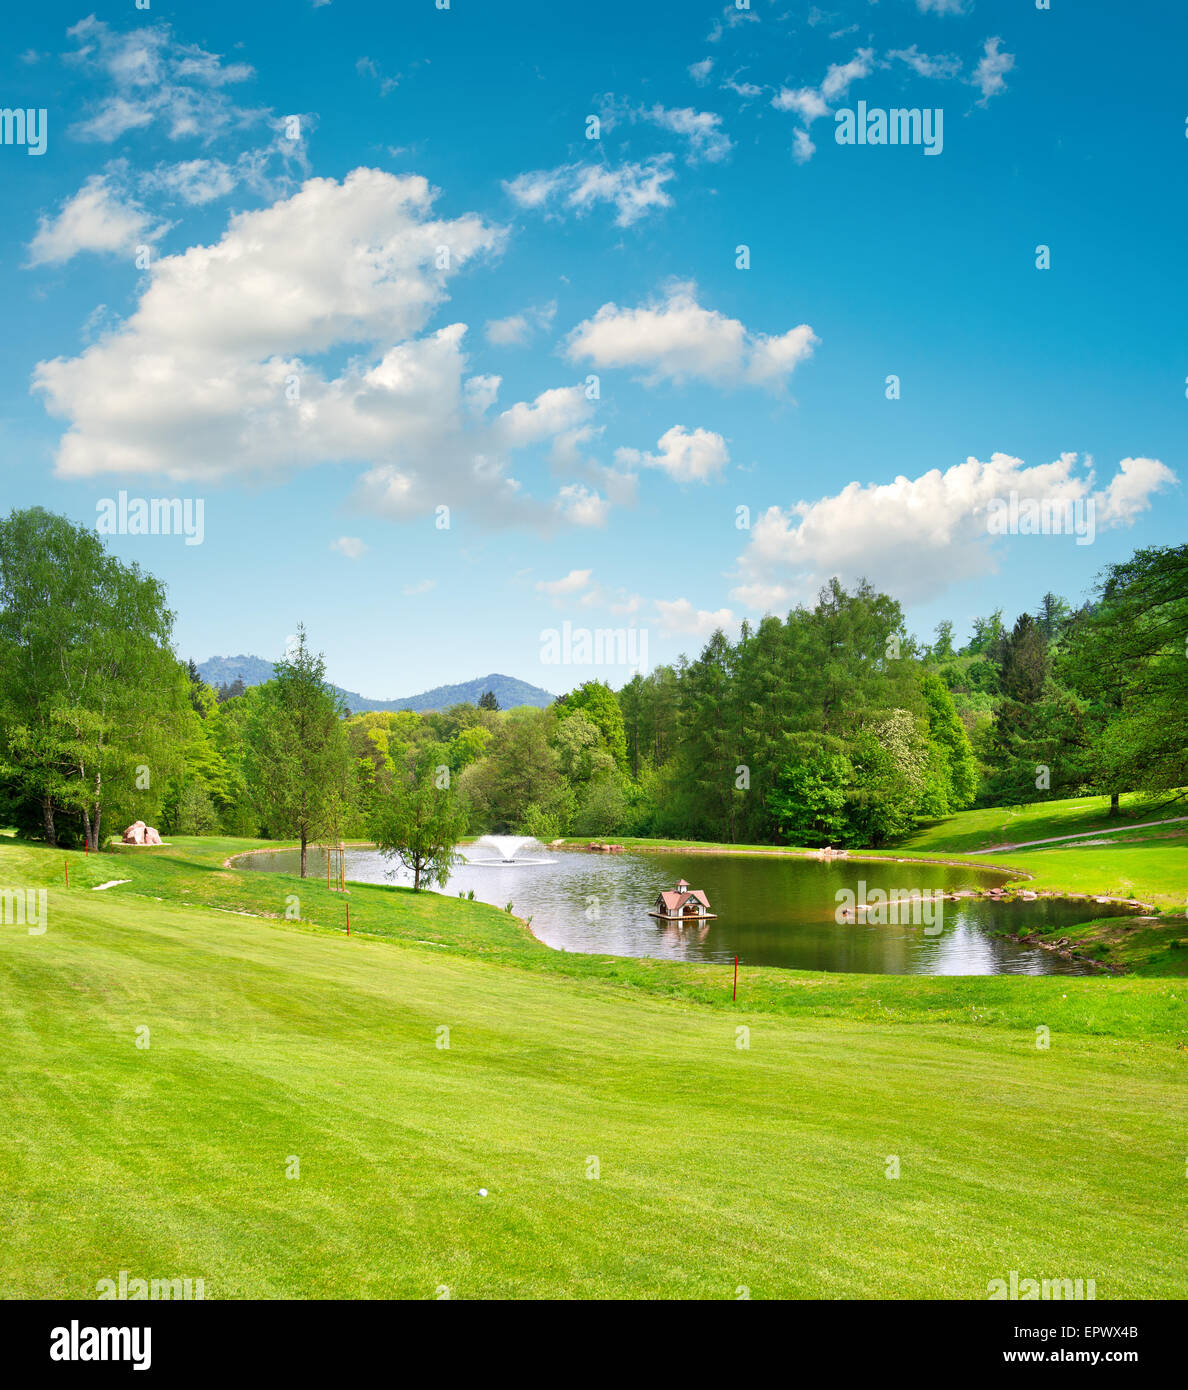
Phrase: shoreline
[1008,893]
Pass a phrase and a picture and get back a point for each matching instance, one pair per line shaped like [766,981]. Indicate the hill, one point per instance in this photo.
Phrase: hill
[308,1139]
[254,670]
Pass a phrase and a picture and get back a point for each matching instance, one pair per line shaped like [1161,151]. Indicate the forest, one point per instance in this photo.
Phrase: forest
[830,725]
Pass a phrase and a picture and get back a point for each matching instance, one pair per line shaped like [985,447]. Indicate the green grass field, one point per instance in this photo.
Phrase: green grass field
[719,1167]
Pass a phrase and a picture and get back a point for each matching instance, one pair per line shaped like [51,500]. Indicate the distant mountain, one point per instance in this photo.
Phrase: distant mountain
[254,670]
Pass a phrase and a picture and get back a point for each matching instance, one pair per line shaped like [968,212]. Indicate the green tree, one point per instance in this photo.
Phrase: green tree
[90,692]
[600,706]
[1125,657]
[959,768]
[297,757]
[809,800]
[419,819]
[987,633]
[1053,616]
[943,646]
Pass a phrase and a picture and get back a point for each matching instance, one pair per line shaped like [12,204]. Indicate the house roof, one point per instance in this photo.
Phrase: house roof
[675,901]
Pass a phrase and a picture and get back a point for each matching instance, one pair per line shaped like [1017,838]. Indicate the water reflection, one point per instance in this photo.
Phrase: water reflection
[770,911]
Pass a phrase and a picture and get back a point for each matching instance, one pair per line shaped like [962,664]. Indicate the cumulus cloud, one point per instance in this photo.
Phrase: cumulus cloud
[675,339]
[688,456]
[632,189]
[700,72]
[582,506]
[100,217]
[941,6]
[989,77]
[917,536]
[350,546]
[679,618]
[220,369]
[807,102]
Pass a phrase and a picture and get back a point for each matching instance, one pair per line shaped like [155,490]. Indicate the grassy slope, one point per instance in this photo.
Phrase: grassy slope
[719,1166]
[1000,825]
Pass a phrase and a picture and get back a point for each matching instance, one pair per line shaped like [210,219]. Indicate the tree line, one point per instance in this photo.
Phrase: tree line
[830,725]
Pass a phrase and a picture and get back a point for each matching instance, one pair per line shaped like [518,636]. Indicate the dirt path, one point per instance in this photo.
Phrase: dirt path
[1080,835]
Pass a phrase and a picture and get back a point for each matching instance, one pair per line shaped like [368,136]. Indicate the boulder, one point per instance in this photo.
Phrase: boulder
[140,834]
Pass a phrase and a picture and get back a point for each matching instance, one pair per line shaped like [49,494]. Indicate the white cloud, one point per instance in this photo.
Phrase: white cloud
[350,546]
[194,181]
[155,79]
[553,412]
[989,76]
[572,583]
[688,456]
[633,190]
[700,72]
[803,148]
[218,371]
[99,217]
[807,102]
[703,130]
[811,103]
[941,66]
[509,332]
[518,329]
[423,586]
[368,67]
[915,537]
[941,6]
[679,618]
[581,506]
[731,18]
[747,90]
[676,339]
[840,76]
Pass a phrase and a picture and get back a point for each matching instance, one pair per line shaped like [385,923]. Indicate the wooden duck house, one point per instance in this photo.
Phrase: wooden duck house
[682,903]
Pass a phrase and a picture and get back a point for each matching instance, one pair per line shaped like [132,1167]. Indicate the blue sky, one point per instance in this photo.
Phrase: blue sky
[310,267]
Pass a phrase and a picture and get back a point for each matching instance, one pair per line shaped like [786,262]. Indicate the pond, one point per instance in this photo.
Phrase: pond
[770,910]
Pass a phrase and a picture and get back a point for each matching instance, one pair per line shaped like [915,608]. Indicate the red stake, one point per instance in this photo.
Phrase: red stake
[735,994]
[348,919]
[66,866]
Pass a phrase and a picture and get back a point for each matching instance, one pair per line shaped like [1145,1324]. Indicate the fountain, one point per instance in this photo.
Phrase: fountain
[506,850]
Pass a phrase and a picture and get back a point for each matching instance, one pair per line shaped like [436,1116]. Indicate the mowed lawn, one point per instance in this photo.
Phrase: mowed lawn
[720,1168]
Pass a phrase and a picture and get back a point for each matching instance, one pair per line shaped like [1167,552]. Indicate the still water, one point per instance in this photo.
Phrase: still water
[771,911]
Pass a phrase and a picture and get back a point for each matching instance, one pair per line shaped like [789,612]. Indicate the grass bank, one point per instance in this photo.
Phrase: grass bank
[280,1046]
